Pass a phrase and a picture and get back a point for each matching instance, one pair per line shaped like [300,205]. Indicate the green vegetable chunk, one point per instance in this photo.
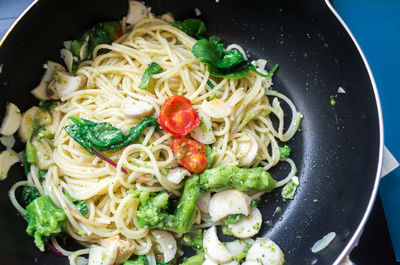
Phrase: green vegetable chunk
[227,177]
[197,259]
[155,212]
[152,69]
[44,219]
[42,173]
[80,205]
[194,241]
[241,255]
[103,136]
[210,155]
[30,152]
[285,151]
[29,194]
[289,190]
[192,27]
[234,218]
[140,260]
[162,262]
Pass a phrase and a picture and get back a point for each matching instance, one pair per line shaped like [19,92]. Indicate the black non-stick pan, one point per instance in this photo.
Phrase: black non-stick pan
[338,151]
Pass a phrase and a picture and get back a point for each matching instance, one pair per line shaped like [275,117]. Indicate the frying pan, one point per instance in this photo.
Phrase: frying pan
[338,151]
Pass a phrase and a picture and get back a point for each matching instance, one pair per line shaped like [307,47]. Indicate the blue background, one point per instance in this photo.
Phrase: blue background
[376,26]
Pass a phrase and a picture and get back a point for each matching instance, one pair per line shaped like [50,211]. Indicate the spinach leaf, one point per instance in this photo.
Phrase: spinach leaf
[103,136]
[81,205]
[42,173]
[192,26]
[46,104]
[227,64]
[152,69]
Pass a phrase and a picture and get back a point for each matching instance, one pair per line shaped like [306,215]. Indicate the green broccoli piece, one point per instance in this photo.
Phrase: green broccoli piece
[30,152]
[197,259]
[154,210]
[141,260]
[195,242]
[162,262]
[226,230]
[210,155]
[255,203]
[289,190]
[44,219]
[29,194]
[234,218]
[285,151]
[227,177]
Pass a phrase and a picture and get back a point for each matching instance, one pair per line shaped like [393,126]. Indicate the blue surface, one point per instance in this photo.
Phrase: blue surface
[376,26]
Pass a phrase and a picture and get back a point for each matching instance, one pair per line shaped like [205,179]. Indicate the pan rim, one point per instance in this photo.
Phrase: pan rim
[358,232]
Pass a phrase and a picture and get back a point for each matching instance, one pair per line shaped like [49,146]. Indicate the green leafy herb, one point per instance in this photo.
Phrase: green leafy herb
[194,241]
[152,69]
[103,136]
[29,194]
[210,84]
[44,219]
[80,205]
[46,104]
[255,203]
[226,230]
[42,173]
[140,260]
[285,151]
[234,218]
[192,26]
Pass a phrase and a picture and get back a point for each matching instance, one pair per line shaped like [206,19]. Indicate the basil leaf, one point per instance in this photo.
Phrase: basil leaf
[192,26]
[152,69]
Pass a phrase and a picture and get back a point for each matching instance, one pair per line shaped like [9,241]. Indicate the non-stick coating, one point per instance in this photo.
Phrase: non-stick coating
[336,151]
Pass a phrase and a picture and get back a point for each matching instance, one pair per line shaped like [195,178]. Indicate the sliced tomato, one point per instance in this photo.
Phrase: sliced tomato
[190,154]
[177,116]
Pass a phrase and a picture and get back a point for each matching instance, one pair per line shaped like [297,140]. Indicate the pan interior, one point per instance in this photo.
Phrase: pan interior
[336,151]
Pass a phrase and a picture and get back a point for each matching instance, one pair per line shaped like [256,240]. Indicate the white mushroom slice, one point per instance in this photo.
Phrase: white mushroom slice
[208,261]
[247,151]
[136,109]
[203,132]
[8,141]
[214,249]
[40,92]
[252,262]
[247,226]
[168,17]
[266,252]
[136,12]
[124,248]
[167,243]
[84,51]
[11,121]
[204,201]
[228,202]
[68,58]
[7,159]
[33,116]
[102,256]
[236,247]
[64,84]
[216,108]
[56,116]
[176,175]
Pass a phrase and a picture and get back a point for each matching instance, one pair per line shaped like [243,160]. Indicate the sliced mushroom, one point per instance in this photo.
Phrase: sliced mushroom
[168,17]
[124,248]
[176,175]
[214,249]
[203,132]
[7,159]
[266,252]
[247,151]
[167,243]
[238,246]
[136,12]
[8,141]
[216,108]
[136,109]
[56,116]
[247,226]
[11,121]
[228,202]
[64,84]
[40,92]
[146,179]
[34,116]
[103,256]
[204,201]
[252,262]
[208,261]
[68,58]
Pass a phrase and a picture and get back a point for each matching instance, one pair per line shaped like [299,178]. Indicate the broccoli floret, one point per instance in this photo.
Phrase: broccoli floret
[210,155]
[197,259]
[44,219]
[162,262]
[155,213]
[29,194]
[141,260]
[228,177]
[285,151]
[195,242]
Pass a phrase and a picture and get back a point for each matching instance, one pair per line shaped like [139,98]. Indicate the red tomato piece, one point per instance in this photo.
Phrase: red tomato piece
[177,116]
[190,154]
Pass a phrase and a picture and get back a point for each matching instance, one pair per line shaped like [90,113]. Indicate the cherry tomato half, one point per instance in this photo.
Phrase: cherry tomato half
[190,154]
[177,116]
